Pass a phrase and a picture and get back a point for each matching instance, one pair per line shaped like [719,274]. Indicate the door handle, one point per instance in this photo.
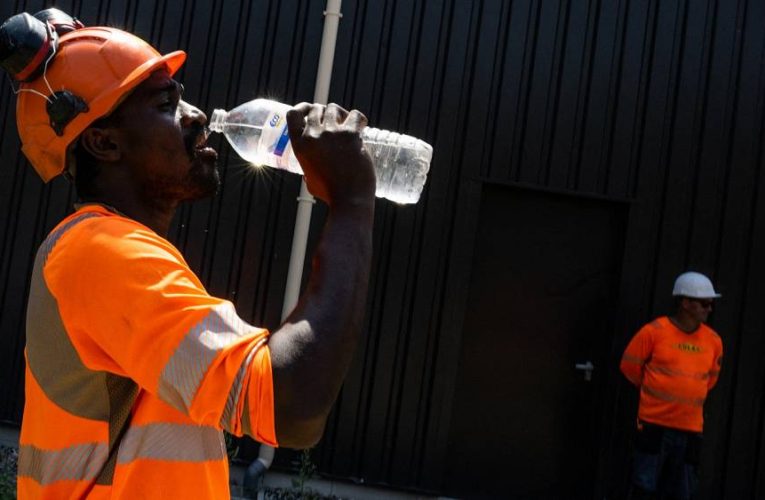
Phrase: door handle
[587,368]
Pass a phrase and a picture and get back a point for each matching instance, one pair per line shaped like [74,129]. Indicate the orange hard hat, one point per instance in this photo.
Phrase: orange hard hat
[92,71]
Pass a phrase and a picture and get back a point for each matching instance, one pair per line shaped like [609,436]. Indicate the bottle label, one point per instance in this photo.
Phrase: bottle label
[275,133]
[281,144]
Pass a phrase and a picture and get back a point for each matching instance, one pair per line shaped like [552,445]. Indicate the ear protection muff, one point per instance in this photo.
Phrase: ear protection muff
[61,22]
[67,76]
[27,44]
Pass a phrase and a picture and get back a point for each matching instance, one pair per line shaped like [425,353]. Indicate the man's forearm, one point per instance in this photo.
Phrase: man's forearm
[312,351]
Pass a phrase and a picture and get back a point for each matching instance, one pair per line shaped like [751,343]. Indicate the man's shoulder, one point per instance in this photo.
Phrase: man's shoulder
[711,333]
[91,228]
[94,219]
[95,236]
[656,325]
[98,250]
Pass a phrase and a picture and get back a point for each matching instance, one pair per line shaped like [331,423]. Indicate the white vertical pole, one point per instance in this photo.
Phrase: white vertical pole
[332,17]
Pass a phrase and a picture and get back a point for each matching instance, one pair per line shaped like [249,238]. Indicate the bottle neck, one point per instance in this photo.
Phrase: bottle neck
[217,120]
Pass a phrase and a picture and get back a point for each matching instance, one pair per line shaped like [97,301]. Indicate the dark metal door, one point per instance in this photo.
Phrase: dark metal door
[535,341]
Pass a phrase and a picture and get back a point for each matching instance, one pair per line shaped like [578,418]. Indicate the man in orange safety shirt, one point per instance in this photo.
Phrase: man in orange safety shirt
[674,361]
[133,370]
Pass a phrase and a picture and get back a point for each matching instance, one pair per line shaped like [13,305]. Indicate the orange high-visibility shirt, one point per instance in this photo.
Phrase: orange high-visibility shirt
[674,371]
[133,369]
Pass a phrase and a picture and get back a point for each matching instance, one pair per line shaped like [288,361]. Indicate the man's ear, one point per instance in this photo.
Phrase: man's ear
[100,143]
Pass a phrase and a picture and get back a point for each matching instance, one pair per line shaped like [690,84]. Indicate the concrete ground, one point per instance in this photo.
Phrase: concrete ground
[9,436]
[329,488]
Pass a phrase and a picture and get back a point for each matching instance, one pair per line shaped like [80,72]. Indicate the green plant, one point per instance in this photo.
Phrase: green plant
[293,494]
[300,489]
[8,462]
[306,471]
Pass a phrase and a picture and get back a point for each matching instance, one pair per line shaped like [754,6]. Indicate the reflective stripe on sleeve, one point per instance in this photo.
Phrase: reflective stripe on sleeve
[632,359]
[80,462]
[172,442]
[236,390]
[188,365]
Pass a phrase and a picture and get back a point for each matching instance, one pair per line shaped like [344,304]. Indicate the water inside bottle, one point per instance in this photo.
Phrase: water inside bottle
[257,131]
[245,139]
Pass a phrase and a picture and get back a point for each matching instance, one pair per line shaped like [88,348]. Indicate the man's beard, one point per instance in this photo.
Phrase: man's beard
[203,180]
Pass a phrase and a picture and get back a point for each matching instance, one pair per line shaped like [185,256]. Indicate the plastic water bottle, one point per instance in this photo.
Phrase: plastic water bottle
[257,130]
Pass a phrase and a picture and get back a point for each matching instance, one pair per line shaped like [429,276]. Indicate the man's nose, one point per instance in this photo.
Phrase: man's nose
[190,114]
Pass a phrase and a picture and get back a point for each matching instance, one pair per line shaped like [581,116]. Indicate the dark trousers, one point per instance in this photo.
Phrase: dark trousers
[665,463]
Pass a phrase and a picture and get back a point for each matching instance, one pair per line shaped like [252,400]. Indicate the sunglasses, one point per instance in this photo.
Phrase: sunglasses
[706,304]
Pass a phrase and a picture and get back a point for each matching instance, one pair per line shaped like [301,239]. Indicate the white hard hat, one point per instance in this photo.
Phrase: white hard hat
[694,285]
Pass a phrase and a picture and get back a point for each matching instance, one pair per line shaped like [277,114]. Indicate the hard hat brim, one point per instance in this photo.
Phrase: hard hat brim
[705,296]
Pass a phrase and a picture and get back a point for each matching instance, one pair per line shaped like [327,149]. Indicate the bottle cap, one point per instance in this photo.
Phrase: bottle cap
[217,120]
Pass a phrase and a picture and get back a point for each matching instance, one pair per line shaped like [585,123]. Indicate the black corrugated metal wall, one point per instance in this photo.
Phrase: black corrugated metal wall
[660,104]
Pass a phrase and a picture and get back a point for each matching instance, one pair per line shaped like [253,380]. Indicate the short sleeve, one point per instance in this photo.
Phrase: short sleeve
[637,353]
[131,306]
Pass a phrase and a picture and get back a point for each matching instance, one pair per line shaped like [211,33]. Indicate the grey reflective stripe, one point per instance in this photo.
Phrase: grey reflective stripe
[665,396]
[172,442]
[632,359]
[188,365]
[76,463]
[236,389]
[52,239]
[676,373]
[53,360]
